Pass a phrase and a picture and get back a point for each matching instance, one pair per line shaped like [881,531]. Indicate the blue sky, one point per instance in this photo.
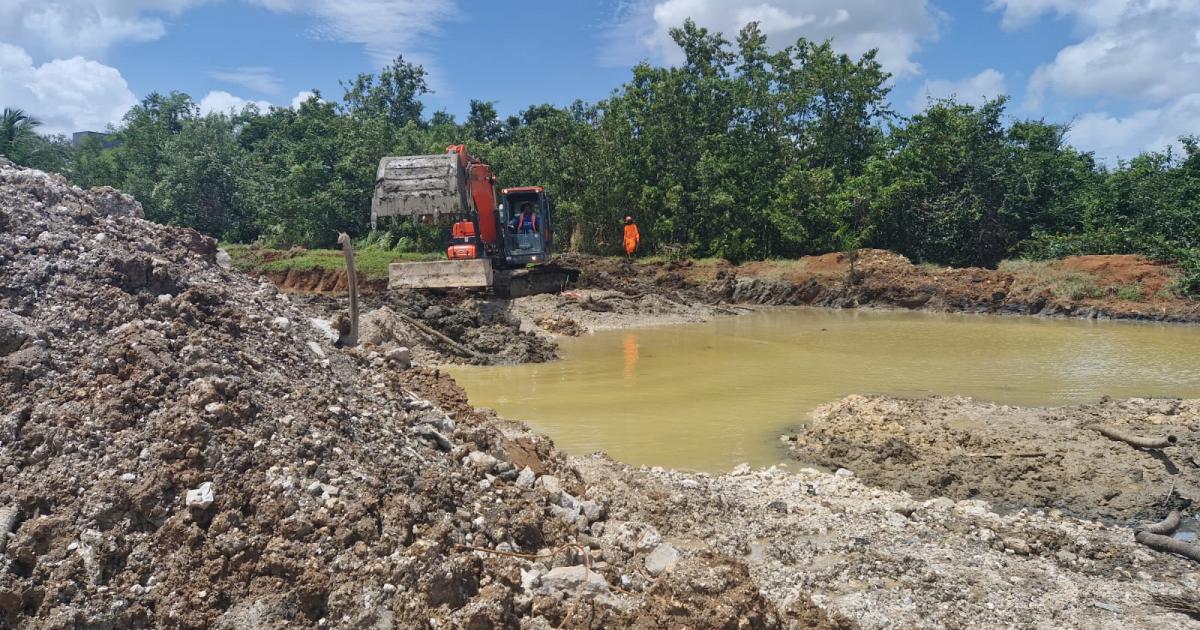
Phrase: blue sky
[1122,72]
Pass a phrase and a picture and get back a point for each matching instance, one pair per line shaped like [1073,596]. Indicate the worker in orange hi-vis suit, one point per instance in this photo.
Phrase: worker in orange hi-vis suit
[632,238]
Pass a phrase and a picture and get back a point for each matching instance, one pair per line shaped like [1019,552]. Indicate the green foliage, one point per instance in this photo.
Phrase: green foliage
[394,95]
[1188,282]
[370,259]
[743,150]
[16,133]
[20,142]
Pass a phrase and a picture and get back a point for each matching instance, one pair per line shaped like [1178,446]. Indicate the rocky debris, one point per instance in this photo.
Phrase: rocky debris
[574,577]
[441,329]
[401,356]
[587,310]
[882,560]
[560,326]
[526,478]
[662,559]
[328,487]
[201,497]
[1013,457]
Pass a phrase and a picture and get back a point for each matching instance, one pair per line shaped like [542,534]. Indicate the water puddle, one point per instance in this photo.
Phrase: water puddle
[708,396]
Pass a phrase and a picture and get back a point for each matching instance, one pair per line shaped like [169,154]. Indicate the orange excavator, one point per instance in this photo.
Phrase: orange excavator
[500,242]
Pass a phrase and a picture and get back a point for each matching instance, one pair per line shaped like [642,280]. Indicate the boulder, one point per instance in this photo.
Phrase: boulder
[662,559]
[570,578]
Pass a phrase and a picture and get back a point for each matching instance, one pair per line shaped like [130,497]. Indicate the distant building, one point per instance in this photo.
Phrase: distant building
[106,139]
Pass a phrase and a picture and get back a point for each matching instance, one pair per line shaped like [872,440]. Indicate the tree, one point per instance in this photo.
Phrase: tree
[143,141]
[394,96]
[17,134]
[198,180]
[483,124]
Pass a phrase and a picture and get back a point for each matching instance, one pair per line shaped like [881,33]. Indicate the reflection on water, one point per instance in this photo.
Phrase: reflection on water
[631,358]
[708,396]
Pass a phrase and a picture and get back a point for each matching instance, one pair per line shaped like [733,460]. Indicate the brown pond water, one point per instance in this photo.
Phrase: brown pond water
[709,396]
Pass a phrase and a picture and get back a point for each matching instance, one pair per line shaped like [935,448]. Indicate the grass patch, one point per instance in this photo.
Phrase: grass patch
[371,261]
[1035,276]
[1130,292]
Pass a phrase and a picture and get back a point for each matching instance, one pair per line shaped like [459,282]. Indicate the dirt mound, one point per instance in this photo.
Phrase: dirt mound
[322,281]
[1127,269]
[584,310]
[184,448]
[1014,457]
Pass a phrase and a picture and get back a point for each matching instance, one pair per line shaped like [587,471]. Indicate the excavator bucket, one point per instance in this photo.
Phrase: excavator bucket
[421,187]
[441,274]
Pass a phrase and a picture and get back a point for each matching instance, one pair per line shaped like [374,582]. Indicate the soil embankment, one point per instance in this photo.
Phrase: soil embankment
[1114,287]
[1013,457]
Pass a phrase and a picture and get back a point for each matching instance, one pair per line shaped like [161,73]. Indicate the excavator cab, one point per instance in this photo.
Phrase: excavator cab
[526,240]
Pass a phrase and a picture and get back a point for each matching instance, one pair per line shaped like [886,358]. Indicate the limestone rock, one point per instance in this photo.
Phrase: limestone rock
[662,559]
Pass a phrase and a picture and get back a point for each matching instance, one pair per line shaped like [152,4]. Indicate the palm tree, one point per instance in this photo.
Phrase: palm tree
[16,131]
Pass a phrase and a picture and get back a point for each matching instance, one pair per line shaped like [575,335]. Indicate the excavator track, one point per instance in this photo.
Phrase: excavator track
[550,278]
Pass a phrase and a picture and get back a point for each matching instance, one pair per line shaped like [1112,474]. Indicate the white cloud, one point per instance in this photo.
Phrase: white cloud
[386,28]
[222,102]
[1128,51]
[973,90]
[89,27]
[898,28]
[301,98]
[1152,129]
[67,95]
[1136,50]
[257,78]
[84,27]
[1089,13]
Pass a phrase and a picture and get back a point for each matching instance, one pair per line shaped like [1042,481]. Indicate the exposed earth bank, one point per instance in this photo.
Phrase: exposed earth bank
[614,293]
[1115,287]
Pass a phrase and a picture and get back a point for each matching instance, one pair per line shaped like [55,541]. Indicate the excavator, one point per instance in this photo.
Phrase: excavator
[502,243]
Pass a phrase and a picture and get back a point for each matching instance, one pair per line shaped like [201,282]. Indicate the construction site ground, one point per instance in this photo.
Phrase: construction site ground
[187,445]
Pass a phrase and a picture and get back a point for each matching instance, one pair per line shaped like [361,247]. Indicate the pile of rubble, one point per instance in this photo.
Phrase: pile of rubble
[183,446]
[883,559]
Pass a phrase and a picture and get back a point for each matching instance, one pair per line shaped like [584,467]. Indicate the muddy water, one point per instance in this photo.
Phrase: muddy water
[708,396]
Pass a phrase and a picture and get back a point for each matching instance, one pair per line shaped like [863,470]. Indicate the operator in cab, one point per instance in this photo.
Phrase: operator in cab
[632,238]
[527,222]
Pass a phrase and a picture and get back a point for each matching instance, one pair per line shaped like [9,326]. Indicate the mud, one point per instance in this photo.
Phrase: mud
[466,328]
[1013,457]
[323,281]
[588,310]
